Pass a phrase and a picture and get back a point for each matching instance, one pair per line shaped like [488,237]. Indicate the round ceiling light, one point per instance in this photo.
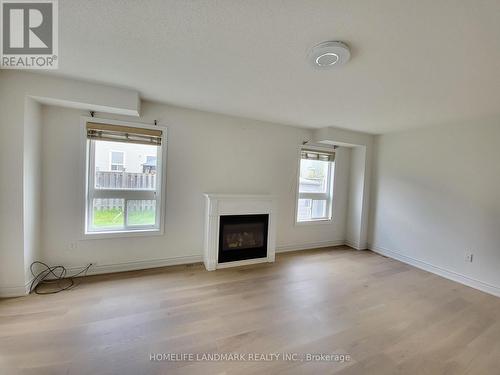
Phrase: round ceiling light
[329,54]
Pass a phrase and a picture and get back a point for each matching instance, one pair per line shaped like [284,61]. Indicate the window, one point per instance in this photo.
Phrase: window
[149,165]
[315,187]
[123,179]
[116,159]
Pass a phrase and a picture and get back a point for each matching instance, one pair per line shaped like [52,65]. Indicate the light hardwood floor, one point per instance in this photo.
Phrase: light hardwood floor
[389,317]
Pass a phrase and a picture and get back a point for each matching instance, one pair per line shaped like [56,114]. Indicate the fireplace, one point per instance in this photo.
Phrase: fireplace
[240,229]
[243,237]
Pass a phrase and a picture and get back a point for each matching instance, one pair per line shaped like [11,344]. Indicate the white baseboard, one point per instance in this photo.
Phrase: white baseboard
[99,269]
[448,274]
[356,245]
[307,246]
[15,290]
[21,290]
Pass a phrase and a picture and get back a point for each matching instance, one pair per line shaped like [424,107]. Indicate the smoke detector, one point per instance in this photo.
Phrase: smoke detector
[329,54]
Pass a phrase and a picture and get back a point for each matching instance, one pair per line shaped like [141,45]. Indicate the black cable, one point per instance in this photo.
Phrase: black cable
[59,278]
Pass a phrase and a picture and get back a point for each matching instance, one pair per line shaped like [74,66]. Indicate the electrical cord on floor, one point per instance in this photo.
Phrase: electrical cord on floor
[58,281]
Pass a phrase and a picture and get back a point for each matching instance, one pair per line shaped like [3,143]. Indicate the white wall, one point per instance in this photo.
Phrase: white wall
[11,190]
[19,206]
[206,153]
[361,146]
[32,176]
[436,194]
[355,196]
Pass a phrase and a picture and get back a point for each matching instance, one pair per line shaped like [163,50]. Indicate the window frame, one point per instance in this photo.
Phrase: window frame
[328,196]
[159,194]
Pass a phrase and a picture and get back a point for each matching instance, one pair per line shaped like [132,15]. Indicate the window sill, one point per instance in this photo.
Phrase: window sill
[314,222]
[119,234]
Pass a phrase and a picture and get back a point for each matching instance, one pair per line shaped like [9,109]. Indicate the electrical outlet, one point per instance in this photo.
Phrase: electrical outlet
[469,257]
[73,245]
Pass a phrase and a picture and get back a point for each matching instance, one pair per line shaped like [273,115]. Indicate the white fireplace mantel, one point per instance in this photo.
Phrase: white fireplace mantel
[236,204]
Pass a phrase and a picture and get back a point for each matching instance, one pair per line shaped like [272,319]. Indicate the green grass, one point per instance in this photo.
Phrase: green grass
[141,218]
[114,218]
[108,218]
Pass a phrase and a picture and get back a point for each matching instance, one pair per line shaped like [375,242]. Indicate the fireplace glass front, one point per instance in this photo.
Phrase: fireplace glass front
[243,237]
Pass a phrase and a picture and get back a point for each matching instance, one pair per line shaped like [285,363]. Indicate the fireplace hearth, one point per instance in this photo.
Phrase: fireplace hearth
[242,237]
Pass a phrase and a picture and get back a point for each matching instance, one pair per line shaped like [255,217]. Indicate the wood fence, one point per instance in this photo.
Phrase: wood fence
[124,180]
[101,204]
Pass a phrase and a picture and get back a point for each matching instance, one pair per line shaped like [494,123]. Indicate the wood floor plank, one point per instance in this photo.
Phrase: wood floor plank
[390,318]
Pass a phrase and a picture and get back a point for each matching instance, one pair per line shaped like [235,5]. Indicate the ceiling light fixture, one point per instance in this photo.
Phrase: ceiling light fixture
[327,59]
[329,54]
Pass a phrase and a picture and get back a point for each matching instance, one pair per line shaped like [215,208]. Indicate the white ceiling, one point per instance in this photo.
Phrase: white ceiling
[414,63]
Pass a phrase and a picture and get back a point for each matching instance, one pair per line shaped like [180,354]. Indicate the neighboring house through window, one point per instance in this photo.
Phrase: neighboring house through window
[117,160]
[315,185]
[150,165]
